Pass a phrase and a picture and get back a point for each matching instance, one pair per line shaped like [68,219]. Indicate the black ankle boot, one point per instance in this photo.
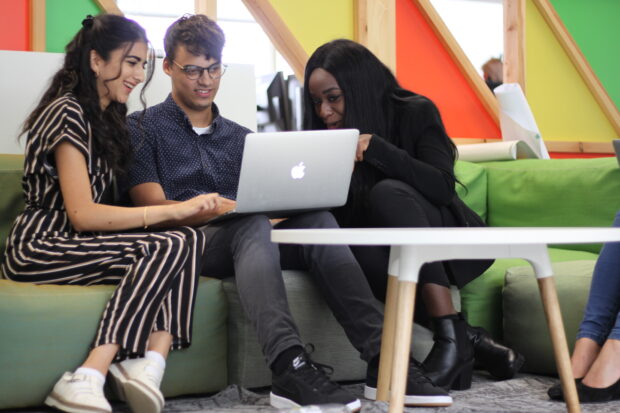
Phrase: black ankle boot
[501,361]
[451,360]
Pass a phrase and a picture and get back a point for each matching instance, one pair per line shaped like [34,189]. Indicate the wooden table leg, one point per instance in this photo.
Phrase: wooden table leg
[387,339]
[402,344]
[558,339]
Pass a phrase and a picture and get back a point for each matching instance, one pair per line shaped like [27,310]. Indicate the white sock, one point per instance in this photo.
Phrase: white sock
[87,371]
[157,358]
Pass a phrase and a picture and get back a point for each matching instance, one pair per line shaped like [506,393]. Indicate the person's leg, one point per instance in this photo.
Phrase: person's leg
[601,309]
[344,287]
[394,204]
[242,247]
[340,281]
[168,266]
[255,260]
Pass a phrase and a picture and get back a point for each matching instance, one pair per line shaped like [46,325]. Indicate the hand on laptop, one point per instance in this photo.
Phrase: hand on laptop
[225,205]
[362,145]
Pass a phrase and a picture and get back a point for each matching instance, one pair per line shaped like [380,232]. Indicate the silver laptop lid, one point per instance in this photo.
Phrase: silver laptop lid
[297,170]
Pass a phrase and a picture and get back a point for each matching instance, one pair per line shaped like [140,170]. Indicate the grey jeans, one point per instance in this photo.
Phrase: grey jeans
[242,247]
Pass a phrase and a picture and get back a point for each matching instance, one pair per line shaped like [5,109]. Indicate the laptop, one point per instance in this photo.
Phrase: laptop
[287,173]
[616,143]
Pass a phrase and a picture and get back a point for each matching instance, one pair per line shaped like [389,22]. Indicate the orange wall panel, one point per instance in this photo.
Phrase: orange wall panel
[424,66]
[15,25]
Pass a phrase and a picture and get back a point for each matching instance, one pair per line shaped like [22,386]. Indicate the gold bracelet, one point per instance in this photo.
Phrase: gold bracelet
[144,218]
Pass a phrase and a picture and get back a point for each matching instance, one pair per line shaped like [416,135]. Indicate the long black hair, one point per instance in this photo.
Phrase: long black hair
[372,96]
[371,92]
[103,34]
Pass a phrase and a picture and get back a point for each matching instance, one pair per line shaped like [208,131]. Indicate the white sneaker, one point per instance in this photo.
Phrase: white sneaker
[137,381]
[78,393]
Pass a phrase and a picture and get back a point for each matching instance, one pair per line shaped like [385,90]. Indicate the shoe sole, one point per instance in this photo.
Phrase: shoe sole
[140,397]
[370,393]
[280,402]
[57,402]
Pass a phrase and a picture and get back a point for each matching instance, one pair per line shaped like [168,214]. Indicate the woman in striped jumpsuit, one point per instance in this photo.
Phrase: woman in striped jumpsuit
[77,140]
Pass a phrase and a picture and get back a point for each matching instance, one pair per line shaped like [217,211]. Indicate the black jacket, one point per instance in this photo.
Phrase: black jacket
[420,154]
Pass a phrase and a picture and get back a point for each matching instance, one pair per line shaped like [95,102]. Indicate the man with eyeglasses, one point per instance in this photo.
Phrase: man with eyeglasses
[184,147]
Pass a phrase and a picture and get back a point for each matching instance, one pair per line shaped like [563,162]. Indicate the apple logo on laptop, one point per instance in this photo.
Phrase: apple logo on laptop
[298,171]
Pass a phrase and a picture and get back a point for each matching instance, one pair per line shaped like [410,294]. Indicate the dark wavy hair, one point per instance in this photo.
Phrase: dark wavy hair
[198,33]
[103,34]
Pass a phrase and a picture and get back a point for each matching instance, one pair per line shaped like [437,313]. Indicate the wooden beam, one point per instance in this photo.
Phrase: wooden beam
[579,61]
[554,146]
[279,34]
[37,26]
[375,28]
[109,6]
[475,81]
[514,42]
[206,7]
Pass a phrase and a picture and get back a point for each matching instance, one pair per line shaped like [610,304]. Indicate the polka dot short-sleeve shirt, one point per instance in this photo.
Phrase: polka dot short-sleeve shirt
[167,151]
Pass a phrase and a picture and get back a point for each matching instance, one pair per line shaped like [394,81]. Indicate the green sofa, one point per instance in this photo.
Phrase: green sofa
[46,329]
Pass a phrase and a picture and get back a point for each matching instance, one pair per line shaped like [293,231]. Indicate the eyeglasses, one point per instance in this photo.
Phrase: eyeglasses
[194,72]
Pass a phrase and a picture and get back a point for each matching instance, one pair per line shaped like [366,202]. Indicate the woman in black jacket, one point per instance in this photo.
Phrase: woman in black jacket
[403,177]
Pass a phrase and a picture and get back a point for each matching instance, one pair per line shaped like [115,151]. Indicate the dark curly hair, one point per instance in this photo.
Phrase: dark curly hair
[198,33]
[103,34]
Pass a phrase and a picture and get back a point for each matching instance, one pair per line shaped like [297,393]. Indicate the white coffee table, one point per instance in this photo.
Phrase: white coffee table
[413,247]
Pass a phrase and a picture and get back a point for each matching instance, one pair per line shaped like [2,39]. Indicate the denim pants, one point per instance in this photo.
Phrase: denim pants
[601,319]
[243,246]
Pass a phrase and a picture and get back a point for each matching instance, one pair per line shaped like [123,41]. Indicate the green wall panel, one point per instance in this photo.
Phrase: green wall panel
[594,26]
[63,20]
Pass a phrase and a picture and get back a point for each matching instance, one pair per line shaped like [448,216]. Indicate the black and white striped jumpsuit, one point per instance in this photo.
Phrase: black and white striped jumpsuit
[156,272]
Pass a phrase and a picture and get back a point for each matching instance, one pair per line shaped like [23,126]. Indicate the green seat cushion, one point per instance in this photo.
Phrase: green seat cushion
[473,186]
[47,330]
[554,192]
[11,201]
[525,325]
[481,299]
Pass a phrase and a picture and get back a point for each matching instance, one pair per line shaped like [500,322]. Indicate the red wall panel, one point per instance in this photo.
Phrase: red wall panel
[424,66]
[15,25]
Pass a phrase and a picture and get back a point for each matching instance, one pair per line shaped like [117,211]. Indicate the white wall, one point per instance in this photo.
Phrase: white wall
[25,75]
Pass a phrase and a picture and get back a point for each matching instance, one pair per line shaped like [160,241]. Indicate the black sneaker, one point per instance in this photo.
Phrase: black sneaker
[421,391]
[304,383]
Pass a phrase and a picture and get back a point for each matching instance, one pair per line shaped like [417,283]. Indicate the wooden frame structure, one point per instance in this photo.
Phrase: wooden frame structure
[514,42]
[279,34]
[37,26]
[206,7]
[554,146]
[109,6]
[375,28]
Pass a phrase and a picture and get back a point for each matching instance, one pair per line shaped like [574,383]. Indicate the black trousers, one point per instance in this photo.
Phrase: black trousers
[391,204]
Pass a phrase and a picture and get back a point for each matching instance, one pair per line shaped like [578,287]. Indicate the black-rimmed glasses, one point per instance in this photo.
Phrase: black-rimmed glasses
[194,72]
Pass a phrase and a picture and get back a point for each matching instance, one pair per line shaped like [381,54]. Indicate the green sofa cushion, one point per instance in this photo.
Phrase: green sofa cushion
[481,299]
[525,325]
[47,330]
[473,186]
[11,201]
[555,192]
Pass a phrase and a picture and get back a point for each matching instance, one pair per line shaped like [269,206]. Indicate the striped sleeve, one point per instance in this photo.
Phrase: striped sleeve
[62,121]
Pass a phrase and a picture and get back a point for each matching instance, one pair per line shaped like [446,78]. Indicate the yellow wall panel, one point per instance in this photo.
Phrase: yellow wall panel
[562,104]
[314,22]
